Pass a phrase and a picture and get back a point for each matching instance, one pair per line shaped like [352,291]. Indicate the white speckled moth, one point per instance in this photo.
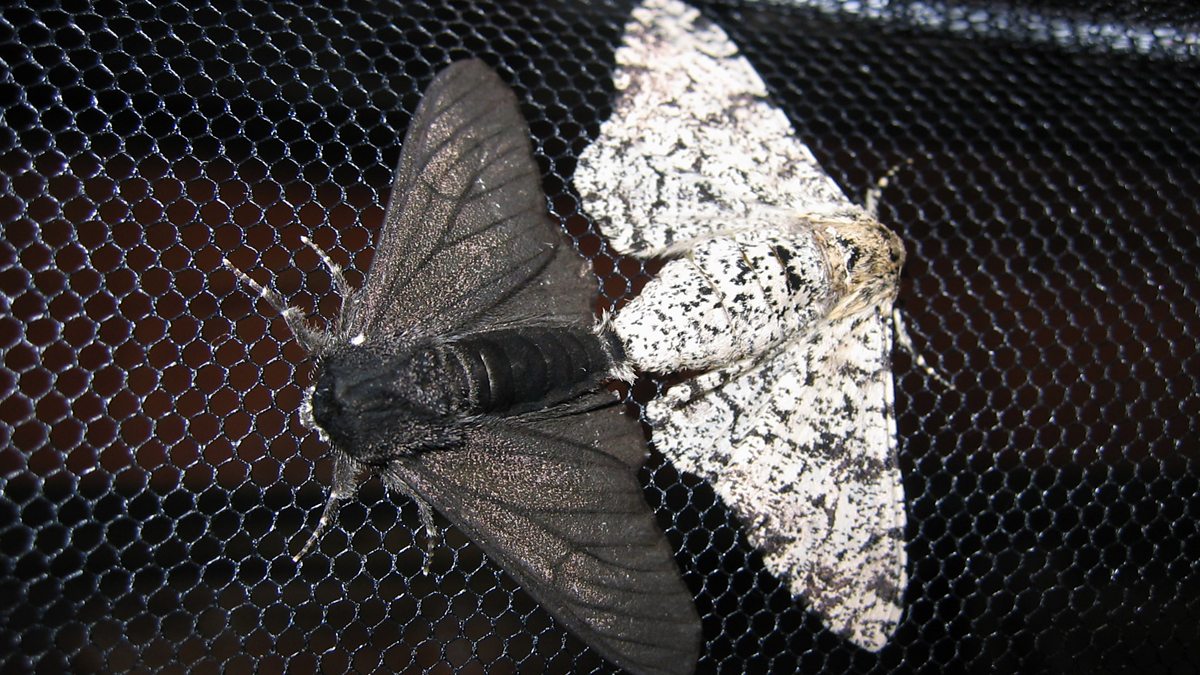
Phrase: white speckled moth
[780,290]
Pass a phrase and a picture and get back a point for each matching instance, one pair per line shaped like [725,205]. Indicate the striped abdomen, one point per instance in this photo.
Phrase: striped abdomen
[375,405]
[517,370]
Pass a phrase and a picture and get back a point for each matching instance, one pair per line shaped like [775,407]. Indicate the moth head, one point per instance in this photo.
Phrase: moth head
[866,258]
[375,406]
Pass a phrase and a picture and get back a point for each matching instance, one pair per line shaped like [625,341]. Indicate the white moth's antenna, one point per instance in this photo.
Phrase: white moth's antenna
[874,194]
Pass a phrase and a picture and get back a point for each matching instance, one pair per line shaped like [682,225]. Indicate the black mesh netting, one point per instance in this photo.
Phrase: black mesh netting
[154,475]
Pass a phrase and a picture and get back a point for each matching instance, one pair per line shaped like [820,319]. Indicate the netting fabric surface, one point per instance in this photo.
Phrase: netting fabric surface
[155,477]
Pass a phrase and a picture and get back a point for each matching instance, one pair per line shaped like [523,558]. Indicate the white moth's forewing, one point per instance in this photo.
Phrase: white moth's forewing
[766,290]
[694,145]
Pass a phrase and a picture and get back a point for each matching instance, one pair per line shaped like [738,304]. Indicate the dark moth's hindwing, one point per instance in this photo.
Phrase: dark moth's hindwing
[465,374]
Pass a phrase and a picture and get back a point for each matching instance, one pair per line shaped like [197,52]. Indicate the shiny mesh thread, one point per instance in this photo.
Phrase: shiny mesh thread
[154,476]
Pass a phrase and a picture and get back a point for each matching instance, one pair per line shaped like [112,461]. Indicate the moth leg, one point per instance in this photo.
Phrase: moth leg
[874,194]
[310,338]
[345,484]
[328,516]
[335,270]
[900,328]
[426,513]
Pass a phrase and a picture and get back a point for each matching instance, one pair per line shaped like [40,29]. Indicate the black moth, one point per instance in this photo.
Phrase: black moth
[465,375]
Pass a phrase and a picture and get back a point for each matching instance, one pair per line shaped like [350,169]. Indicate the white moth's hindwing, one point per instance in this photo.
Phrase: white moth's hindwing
[801,446]
[781,290]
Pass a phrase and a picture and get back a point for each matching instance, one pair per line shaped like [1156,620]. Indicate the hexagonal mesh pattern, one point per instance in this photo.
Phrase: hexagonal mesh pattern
[154,475]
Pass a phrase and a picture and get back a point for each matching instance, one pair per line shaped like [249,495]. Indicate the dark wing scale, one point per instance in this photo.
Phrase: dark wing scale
[466,227]
[557,504]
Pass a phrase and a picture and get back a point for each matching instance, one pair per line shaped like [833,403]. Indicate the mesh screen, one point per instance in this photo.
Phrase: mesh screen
[154,475]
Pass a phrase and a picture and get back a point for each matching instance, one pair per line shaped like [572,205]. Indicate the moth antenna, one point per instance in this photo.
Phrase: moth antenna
[900,328]
[308,337]
[335,270]
[273,298]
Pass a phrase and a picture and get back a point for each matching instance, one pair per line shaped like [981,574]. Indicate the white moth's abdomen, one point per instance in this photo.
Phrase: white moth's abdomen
[726,299]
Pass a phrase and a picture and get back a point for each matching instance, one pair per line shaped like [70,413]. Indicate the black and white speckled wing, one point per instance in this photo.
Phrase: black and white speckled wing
[466,235]
[694,146]
[802,448]
[779,288]
[792,422]
[557,503]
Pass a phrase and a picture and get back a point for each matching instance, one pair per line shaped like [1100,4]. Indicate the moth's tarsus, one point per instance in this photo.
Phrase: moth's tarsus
[904,339]
[430,532]
[335,270]
[345,485]
[328,516]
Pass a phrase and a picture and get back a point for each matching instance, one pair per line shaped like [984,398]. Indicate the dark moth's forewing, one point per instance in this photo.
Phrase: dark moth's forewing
[467,246]
[466,229]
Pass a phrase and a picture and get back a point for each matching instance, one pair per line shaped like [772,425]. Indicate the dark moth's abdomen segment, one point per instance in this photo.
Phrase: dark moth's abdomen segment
[375,404]
[514,371]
